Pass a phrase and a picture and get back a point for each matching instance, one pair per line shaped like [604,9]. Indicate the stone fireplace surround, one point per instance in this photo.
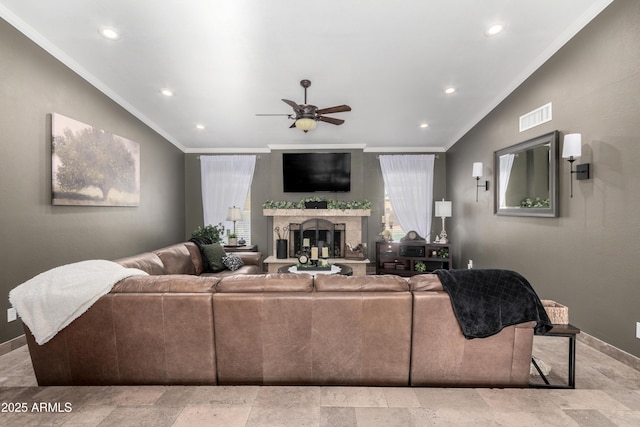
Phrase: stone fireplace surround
[351,218]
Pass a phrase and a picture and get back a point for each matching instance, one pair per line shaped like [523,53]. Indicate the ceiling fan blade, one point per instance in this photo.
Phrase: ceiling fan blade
[336,109]
[293,105]
[331,120]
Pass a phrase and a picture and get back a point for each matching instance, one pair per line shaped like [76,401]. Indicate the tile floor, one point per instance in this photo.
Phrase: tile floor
[607,394]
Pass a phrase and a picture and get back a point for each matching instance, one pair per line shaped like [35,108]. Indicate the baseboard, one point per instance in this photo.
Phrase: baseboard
[611,351]
[13,344]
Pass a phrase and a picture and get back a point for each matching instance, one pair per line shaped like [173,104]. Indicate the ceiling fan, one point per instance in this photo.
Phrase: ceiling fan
[306,115]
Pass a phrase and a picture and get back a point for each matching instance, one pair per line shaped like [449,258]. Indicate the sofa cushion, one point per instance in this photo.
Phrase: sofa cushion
[196,257]
[147,261]
[176,259]
[214,253]
[425,282]
[232,262]
[339,283]
[169,283]
[278,282]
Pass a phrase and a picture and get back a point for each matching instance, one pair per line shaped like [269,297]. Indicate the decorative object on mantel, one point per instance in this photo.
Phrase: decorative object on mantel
[316,205]
[331,204]
[443,210]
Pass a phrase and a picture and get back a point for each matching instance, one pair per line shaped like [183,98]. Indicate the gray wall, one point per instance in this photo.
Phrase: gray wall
[366,183]
[588,257]
[36,236]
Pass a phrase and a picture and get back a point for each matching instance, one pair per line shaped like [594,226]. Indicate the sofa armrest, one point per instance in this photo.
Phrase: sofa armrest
[250,258]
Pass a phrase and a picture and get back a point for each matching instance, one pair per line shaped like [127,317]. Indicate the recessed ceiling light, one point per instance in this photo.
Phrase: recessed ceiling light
[166,92]
[424,125]
[494,29]
[450,90]
[199,127]
[109,33]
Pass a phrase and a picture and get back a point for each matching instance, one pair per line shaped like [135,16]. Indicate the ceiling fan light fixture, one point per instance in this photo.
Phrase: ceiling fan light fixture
[305,124]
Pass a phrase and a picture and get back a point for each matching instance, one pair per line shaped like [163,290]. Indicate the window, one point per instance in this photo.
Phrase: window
[243,228]
[392,222]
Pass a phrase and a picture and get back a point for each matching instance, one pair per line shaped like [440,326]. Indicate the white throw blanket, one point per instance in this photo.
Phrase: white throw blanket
[53,299]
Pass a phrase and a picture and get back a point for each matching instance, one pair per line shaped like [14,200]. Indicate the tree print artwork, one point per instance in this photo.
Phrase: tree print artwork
[93,167]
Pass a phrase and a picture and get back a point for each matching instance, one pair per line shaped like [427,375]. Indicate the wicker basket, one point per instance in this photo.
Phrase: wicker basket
[558,313]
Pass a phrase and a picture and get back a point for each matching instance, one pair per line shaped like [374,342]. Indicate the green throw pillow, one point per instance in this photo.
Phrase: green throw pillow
[214,254]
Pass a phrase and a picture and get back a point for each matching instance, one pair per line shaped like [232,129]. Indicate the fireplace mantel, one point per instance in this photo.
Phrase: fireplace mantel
[316,213]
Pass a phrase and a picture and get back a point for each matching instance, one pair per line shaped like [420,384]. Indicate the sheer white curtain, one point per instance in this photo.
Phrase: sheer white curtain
[225,183]
[408,180]
[506,163]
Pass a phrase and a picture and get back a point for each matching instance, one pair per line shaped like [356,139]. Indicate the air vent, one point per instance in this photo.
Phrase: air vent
[536,117]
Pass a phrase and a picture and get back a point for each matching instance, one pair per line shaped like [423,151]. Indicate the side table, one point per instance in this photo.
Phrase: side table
[242,248]
[565,331]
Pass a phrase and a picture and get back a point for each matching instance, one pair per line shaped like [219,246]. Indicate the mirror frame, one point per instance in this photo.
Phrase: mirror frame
[552,211]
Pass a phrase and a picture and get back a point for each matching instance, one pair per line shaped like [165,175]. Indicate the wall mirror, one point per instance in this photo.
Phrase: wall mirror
[526,177]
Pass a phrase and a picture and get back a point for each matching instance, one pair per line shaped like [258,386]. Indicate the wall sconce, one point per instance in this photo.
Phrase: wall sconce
[477,174]
[234,214]
[571,150]
[443,210]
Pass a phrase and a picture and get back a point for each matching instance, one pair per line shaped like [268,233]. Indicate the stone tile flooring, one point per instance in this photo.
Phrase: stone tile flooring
[607,394]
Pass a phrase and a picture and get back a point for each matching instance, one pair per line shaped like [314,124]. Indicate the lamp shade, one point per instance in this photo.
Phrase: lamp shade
[477,169]
[234,214]
[572,146]
[305,124]
[443,209]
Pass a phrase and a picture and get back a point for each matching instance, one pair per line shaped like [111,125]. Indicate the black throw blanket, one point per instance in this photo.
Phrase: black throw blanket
[201,241]
[486,301]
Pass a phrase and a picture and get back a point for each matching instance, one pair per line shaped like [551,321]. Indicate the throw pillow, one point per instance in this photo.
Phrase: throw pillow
[214,254]
[233,262]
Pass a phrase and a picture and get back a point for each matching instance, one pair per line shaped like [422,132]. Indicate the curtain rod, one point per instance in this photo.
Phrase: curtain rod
[437,156]
[257,155]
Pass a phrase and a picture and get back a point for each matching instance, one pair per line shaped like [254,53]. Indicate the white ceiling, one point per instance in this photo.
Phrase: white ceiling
[227,60]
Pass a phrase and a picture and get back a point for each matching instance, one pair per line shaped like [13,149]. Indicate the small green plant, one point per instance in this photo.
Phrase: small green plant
[214,232]
[420,267]
[232,235]
[443,253]
[331,204]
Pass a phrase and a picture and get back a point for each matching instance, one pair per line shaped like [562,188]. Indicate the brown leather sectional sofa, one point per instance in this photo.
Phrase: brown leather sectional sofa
[180,326]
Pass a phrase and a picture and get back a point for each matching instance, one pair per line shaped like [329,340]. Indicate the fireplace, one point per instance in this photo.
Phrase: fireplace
[321,233]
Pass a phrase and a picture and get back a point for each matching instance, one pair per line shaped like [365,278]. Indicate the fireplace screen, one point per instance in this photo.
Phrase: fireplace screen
[321,233]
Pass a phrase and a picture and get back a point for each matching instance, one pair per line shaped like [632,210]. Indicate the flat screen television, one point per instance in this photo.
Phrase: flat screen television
[311,172]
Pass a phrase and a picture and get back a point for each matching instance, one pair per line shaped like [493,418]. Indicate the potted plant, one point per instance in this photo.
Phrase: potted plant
[420,267]
[213,232]
[233,239]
